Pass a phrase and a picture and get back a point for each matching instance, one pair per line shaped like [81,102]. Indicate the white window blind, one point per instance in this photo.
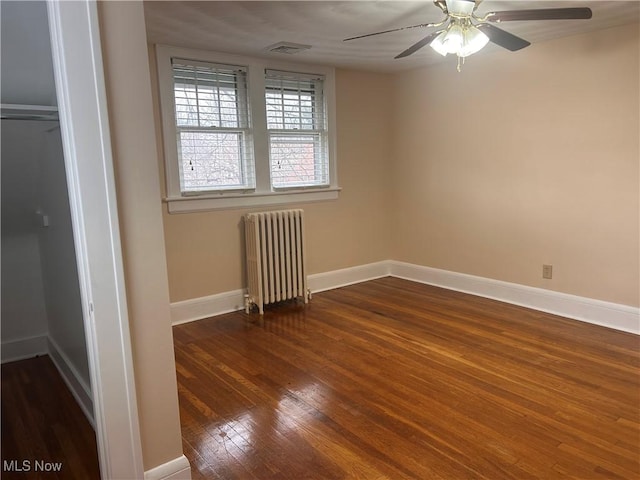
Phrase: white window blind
[297,129]
[240,131]
[212,127]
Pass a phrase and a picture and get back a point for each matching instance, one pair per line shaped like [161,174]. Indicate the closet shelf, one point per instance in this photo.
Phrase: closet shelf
[28,112]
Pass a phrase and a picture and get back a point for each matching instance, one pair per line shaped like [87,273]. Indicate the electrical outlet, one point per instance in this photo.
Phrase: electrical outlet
[547,271]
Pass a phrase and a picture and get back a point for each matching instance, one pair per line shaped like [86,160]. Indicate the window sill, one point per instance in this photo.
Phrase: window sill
[246,200]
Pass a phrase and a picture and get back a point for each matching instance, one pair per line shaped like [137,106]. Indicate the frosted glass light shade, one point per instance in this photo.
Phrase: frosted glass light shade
[438,44]
[454,39]
[461,41]
[474,41]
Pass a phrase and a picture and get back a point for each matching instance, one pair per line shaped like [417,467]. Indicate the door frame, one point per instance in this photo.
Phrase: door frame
[84,124]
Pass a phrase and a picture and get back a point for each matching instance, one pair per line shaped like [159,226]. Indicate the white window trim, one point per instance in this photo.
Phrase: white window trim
[264,194]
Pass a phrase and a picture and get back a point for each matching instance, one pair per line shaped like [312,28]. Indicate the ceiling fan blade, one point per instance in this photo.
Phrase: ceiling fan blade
[574,13]
[504,39]
[389,31]
[418,45]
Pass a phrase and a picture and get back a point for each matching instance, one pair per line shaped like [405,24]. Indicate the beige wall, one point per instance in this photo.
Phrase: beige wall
[204,249]
[523,159]
[139,209]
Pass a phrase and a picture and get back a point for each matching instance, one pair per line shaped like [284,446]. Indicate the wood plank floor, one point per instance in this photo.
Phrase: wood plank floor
[391,379]
[41,422]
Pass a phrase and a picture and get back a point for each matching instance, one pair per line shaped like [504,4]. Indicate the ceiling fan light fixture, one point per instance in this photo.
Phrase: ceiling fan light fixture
[474,41]
[460,40]
[462,37]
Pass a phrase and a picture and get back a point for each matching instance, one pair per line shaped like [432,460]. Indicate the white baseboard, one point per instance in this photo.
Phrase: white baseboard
[607,314]
[14,350]
[204,307]
[212,305]
[319,282]
[78,387]
[176,469]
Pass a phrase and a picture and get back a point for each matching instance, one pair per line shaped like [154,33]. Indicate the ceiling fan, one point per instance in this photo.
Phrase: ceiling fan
[464,33]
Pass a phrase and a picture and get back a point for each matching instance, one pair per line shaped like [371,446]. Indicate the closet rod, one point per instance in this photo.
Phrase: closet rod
[28,112]
[24,116]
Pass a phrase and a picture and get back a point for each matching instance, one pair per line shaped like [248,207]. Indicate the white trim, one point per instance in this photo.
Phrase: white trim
[212,305]
[598,312]
[217,202]
[204,307]
[176,469]
[21,348]
[320,282]
[84,125]
[76,384]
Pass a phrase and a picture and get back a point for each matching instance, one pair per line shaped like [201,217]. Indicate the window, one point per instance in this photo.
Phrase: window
[297,129]
[212,127]
[244,132]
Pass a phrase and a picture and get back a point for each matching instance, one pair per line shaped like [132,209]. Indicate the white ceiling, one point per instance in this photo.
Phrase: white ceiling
[249,27]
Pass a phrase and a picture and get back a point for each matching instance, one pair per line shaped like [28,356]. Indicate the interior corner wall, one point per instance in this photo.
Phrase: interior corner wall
[24,313]
[525,159]
[129,101]
[520,160]
[66,330]
[205,250]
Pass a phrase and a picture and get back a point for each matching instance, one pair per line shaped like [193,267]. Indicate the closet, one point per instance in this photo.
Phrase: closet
[41,303]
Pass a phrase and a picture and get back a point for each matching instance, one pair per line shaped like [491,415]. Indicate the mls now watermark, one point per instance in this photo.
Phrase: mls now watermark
[31,466]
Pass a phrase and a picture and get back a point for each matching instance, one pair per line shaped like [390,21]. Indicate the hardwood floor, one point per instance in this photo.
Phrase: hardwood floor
[398,380]
[43,426]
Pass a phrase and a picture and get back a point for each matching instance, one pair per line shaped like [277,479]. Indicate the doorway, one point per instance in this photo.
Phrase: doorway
[81,99]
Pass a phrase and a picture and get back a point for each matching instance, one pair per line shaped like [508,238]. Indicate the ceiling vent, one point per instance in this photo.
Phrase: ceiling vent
[287,48]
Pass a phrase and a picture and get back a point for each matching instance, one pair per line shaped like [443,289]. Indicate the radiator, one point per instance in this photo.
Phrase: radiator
[275,258]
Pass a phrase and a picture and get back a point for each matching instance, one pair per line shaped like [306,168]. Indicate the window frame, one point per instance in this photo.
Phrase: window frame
[242,129]
[263,194]
[275,82]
